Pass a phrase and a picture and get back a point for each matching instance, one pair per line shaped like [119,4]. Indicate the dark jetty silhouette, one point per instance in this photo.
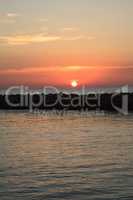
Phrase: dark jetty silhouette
[64,101]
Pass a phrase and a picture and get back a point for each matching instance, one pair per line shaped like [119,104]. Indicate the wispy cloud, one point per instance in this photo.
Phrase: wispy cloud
[18,70]
[12,15]
[27,39]
[8,18]
[39,38]
[69,29]
[79,37]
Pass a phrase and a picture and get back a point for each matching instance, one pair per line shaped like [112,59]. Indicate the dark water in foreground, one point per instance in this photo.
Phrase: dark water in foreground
[72,157]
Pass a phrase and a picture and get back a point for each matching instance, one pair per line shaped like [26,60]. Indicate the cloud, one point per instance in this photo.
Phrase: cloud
[79,37]
[12,15]
[27,39]
[39,38]
[74,68]
[8,18]
[69,29]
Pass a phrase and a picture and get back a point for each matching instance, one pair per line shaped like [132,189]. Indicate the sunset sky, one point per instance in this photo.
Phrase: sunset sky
[52,42]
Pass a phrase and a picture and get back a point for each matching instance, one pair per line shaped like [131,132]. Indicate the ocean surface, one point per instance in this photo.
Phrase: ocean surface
[66,157]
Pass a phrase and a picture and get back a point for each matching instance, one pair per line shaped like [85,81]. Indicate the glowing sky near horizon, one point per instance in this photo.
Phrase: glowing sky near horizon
[53,42]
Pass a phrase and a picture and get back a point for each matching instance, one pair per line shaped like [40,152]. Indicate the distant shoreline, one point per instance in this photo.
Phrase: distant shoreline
[101,102]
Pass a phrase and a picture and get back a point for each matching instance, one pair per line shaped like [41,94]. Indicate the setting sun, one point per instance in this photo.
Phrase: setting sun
[74,83]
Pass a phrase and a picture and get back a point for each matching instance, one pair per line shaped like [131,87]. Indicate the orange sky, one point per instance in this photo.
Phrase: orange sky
[56,42]
[62,76]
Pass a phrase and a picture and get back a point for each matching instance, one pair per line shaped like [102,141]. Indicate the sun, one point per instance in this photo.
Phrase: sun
[74,83]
